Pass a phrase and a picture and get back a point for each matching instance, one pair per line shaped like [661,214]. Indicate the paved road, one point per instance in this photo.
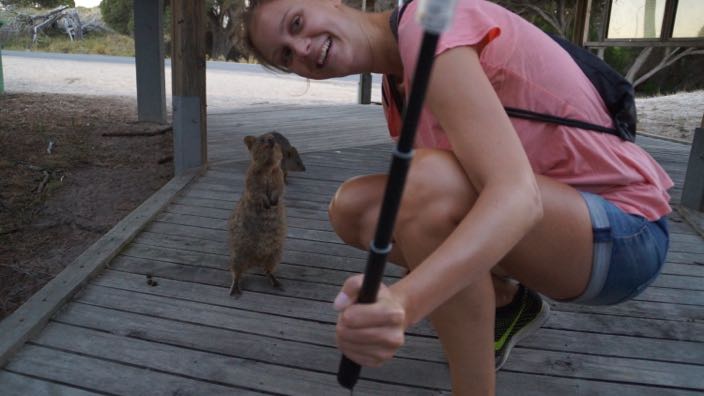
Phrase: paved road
[229,85]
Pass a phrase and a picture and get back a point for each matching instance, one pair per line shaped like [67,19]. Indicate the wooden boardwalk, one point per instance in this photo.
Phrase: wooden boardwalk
[187,336]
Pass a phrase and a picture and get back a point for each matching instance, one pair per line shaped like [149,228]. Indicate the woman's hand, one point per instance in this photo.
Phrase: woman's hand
[369,334]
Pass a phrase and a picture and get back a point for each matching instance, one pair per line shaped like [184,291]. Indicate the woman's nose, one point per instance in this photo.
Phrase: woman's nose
[302,47]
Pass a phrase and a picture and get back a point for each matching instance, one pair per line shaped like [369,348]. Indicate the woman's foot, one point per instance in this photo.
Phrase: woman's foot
[517,320]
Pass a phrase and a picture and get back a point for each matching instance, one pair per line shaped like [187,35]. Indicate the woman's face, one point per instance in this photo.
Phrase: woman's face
[312,38]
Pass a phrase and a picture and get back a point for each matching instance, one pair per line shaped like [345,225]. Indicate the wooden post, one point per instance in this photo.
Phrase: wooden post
[693,190]
[364,90]
[2,79]
[188,79]
[580,33]
[149,59]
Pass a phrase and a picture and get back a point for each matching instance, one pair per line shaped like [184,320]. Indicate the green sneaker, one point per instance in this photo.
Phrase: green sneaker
[515,321]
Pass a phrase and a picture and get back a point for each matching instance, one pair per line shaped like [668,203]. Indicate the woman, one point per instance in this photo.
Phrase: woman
[572,214]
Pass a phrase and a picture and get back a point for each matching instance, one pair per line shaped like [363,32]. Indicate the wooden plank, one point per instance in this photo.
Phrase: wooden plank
[420,348]
[310,259]
[204,366]
[143,259]
[214,236]
[676,296]
[241,321]
[285,306]
[20,385]
[29,318]
[508,382]
[106,376]
[281,305]
[174,333]
[303,212]
[639,309]
[298,282]
[222,235]
[623,325]
[245,344]
[604,368]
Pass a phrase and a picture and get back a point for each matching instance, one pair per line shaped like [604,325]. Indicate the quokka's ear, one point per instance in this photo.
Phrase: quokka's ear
[249,141]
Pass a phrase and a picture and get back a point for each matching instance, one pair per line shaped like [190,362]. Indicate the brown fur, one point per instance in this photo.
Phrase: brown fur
[258,223]
[291,160]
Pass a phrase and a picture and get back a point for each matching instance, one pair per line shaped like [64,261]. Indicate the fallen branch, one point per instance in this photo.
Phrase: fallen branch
[43,182]
[159,131]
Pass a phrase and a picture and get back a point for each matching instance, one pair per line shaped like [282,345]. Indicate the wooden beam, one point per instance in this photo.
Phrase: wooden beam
[149,60]
[693,189]
[2,81]
[580,34]
[364,90]
[188,79]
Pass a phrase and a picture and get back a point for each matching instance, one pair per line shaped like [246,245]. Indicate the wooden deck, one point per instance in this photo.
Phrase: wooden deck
[187,336]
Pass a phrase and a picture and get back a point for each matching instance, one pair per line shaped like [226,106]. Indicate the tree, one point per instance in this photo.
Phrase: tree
[558,16]
[223,33]
[118,15]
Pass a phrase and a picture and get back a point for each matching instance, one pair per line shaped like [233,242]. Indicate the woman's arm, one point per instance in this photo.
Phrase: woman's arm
[490,152]
[508,206]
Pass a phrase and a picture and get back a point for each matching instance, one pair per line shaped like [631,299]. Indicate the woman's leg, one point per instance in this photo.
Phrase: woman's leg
[554,258]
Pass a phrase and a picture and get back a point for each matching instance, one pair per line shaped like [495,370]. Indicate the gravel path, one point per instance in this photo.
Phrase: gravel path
[233,86]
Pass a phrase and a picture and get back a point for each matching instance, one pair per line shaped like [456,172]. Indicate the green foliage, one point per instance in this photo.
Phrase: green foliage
[620,58]
[40,3]
[118,15]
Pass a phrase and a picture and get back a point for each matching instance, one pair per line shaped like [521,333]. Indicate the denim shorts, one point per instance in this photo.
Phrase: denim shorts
[629,252]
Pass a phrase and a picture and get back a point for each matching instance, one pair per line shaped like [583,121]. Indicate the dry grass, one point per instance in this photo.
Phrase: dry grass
[55,202]
[108,44]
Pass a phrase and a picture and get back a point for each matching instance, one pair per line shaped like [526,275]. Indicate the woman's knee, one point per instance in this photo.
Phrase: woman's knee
[437,193]
[354,205]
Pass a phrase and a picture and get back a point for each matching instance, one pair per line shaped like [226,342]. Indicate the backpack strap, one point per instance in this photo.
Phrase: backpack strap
[542,117]
[395,17]
[624,130]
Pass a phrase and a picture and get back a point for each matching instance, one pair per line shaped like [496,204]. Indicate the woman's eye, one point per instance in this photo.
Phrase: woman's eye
[296,24]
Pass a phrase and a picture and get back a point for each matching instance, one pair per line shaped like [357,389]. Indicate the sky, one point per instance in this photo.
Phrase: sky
[627,18]
[87,3]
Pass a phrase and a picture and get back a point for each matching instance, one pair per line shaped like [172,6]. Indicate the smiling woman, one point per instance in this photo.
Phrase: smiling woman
[328,38]
[488,200]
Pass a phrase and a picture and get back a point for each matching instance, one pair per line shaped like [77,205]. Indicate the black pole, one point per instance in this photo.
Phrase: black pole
[348,372]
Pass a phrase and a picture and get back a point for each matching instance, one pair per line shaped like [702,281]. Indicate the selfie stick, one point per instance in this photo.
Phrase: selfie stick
[435,17]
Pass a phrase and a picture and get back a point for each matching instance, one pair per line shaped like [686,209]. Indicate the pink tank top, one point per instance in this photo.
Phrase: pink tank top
[528,70]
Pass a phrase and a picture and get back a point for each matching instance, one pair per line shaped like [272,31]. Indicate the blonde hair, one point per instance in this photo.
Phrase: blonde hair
[247,18]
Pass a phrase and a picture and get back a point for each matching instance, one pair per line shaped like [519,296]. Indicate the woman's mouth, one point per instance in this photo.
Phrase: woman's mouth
[322,58]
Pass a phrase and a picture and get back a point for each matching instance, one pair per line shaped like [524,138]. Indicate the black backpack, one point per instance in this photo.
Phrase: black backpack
[616,92]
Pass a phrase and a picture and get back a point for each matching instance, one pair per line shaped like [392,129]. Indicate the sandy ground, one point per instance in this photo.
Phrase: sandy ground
[225,88]
[673,116]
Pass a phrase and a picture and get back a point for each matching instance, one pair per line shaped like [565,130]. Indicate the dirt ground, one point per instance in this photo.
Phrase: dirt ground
[66,179]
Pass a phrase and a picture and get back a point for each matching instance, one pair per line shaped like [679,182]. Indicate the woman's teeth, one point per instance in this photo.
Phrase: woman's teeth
[324,52]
